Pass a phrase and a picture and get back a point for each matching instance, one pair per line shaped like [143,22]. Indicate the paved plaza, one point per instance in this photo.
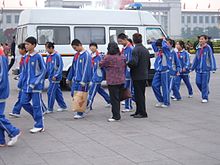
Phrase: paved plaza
[187,133]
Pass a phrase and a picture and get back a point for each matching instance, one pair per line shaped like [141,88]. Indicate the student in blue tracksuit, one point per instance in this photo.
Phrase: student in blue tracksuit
[174,70]
[81,71]
[54,65]
[17,107]
[5,125]
[184,59]
[161,78]
[97,77]
[203,64]
[35,70]
[127,52]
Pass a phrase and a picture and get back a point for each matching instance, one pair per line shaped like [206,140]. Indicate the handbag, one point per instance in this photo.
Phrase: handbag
[125,94]
[79,101]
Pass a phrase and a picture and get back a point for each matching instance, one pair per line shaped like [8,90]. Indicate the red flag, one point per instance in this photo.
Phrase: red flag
[20,3]
[184,6]
[209,5]
[36,3]
[197,5]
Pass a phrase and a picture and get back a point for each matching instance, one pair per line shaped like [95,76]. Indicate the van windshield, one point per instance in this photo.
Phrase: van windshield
[58,35]
[153,33]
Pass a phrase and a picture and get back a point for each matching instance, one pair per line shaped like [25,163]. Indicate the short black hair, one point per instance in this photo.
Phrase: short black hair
[203,35]
[137,38]
[76,42]
[22,46]
[31,40]
[182,44]
[122,36]
[49,45]
[159,42]
[172,42]
[113,48]
[130,40]
[93,44]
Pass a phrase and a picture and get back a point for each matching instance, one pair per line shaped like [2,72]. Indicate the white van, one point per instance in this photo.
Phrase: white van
[61,26]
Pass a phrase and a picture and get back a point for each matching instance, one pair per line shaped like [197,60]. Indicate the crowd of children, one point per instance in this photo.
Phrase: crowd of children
[172,65]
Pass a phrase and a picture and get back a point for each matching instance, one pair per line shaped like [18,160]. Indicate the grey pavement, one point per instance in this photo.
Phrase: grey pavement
[187,133]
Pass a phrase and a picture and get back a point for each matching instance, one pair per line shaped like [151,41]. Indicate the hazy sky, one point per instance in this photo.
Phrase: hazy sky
[190,4]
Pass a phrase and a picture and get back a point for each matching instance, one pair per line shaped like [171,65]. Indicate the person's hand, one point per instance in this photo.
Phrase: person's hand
[178,73]
[54,79]
[67,82]
[83,84]
[31,86]
[184,69]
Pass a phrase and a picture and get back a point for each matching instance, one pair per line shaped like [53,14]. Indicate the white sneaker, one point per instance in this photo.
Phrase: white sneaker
[35,130]
[48,112]
[13,140]
[62,109]
[79,116]
[107,105]
[123,103]
[204,101]
[127,110]
[172,97]
[190,96]
[112,120]
[14,115]
[164,106]
[158,105]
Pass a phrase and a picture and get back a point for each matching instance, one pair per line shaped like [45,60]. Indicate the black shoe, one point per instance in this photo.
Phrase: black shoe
[140,116]
[134,114]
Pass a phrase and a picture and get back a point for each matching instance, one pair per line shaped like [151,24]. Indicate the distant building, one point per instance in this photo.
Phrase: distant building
[9,18]
[191,20]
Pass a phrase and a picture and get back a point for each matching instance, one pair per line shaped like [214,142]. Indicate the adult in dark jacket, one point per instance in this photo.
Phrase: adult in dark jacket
[13,45]
[139,73]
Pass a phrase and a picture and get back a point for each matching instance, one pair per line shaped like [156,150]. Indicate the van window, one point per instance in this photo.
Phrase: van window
[153,33]
[21,35]
[90,34]
[58,35]
[115,31]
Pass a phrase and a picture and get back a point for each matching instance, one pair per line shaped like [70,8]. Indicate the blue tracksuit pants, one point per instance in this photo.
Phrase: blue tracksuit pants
[186,80]
[18,105]
[202,82]
[96,87]
[6,126]
[174,87]
[54,93]
[35,110]
[162,79]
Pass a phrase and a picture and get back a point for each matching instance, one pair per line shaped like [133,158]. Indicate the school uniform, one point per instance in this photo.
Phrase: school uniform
[80,73]
[161,78]
[54,65]
[97,78]
[33,76]
[5,125]
[176,67]
[204,62]
[184,59]
[127,51]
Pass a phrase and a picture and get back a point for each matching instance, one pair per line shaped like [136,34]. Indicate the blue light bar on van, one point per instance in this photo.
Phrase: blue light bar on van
[134,6]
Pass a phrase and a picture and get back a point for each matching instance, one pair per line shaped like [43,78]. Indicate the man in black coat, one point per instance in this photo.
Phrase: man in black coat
[139,73]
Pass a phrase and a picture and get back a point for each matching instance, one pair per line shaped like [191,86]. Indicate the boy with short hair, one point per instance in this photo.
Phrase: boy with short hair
[97,77]
[34,77]
[81,71]
[5,125]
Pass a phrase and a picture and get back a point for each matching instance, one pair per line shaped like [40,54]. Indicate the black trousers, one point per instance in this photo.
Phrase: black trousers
[139,94]
[11,63]
[114,92]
